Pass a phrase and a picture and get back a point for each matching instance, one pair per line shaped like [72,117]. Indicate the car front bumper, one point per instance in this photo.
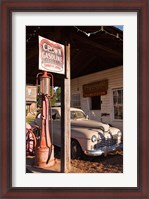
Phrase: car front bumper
[104,150]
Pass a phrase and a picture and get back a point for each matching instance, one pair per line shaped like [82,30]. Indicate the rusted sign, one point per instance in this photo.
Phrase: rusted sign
[51,56]
[95,89]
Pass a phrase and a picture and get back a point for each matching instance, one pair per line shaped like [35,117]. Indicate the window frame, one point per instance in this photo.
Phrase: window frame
[79,101]
[119,104]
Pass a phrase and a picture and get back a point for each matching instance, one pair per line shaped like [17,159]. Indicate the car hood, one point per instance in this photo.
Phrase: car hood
[90,124]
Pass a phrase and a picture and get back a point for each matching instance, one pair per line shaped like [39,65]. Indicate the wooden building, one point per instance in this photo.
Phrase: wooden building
[31,98]
[100,95]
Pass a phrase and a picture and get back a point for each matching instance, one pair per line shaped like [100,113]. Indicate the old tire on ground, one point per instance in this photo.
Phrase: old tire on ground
[76,151]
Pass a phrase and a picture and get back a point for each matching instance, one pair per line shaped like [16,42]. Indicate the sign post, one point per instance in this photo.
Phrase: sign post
[66,136]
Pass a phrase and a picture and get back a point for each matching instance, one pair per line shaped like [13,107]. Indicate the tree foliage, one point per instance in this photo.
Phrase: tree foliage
[56,99]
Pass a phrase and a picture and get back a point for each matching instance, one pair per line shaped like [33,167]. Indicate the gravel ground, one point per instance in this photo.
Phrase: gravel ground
[113,163]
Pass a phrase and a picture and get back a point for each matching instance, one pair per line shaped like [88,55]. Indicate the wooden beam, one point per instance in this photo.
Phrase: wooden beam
[94,44]
[66,137]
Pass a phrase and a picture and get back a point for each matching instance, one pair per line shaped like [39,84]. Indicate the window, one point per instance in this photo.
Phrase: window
[118,103]
[55,114]
[75,101]
[77,115]
[96,103]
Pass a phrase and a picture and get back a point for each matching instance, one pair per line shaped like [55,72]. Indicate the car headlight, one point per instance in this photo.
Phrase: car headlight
[93,138]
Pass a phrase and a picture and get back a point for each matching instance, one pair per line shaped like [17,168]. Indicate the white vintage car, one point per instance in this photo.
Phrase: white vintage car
[91,137]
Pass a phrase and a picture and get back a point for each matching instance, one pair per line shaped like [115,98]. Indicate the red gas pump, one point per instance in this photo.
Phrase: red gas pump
[44,155]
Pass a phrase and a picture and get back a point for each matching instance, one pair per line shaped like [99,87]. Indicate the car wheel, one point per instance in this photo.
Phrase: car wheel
[76,151]
[30,142]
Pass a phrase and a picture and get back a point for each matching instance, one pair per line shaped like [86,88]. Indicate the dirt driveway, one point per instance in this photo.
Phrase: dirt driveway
[113,163]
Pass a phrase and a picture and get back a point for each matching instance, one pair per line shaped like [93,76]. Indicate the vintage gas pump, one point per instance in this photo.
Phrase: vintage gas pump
[44,155]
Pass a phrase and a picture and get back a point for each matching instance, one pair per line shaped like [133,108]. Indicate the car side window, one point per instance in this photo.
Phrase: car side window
[73,115]
[55,115]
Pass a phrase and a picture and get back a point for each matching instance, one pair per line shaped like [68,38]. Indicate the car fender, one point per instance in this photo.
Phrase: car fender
[83,136]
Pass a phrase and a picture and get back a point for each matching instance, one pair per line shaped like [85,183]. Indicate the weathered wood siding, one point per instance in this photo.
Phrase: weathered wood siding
[115,81]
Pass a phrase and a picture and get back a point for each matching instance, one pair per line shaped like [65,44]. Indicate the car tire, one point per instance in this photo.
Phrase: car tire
[76,151]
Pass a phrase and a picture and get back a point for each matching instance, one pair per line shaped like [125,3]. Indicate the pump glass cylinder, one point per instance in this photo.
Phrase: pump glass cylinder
[45,85]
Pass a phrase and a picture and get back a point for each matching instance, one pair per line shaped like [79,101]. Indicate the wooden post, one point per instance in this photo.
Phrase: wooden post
[66,137]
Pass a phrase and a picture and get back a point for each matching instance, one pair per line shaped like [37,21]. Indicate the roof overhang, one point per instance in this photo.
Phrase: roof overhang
[93,48]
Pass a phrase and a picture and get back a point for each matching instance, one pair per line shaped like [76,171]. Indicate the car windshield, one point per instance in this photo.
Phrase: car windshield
[77,115]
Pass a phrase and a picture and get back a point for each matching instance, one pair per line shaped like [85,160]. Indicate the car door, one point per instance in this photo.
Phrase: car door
[56,127]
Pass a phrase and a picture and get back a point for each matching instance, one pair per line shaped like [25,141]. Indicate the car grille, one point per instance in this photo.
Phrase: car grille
[105,142]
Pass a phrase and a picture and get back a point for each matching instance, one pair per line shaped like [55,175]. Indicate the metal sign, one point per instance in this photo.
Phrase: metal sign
[51,56]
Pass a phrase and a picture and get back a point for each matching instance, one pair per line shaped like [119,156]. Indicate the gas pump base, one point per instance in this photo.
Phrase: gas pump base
[44,158]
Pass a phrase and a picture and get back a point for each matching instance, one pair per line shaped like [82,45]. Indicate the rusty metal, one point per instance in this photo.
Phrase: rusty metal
[44,156]
[31,142]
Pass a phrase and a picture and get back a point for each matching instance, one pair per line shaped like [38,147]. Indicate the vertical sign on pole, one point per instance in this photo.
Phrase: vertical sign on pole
[51,56]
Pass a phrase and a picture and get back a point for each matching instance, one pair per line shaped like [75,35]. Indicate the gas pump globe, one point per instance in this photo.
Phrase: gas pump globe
[44,155]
